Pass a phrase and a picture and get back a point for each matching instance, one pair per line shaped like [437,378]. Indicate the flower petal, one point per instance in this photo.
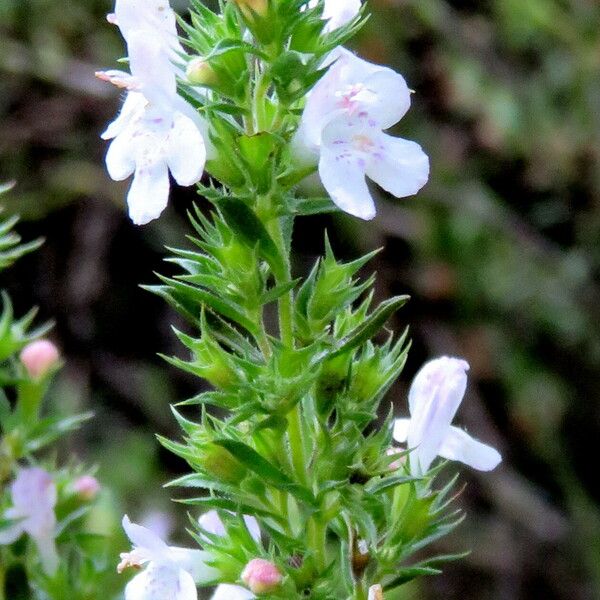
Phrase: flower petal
[120,158]
[149,192]
[253,527]
[156,15]
[161,582]
[186,153]
[460,446]
[142,537]
[231,592]
[151,65]
[11,534]
[433,373]
[47,551]
[401,429]
[187,588]
[194,562]
[401,168]
[340,12]
[342,171]
[33,491]
[392,96]
[132,108]
[211,523]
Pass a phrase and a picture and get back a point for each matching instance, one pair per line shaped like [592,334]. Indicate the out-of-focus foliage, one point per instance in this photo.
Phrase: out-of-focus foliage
[499,253]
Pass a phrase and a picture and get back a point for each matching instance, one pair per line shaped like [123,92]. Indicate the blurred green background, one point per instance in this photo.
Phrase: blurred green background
[499,252]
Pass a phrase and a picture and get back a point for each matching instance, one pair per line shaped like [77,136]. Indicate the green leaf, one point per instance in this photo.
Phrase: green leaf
[244,221]
[227,504]
[409,574]
[370,327]
[279,290]
[50,429]
[265,470]
[202,297]
[386,483]
[314,206]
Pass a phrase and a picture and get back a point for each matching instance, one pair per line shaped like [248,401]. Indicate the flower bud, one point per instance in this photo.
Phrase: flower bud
[375,592]
[39,357]
[221,464]
[248,7]
[261,576]
[199,72]
[87,487]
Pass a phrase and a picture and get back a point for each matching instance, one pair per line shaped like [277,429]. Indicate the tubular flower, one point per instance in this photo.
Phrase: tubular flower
[170,572]
[434,398]
[156,131]
[343,128]
[34,498]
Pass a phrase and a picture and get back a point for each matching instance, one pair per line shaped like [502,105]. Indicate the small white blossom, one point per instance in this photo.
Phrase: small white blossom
[434,398]
[169,572]
[156,131]
[343,128]
[34,497]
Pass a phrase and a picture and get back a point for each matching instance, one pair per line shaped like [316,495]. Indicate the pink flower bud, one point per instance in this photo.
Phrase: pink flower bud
[376,592]
[261,576]
[39,357]
[87,487]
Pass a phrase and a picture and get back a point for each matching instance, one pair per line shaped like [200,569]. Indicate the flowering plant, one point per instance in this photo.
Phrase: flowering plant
[47,550]
[303,491]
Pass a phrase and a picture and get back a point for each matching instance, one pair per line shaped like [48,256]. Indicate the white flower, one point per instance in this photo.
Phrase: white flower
[170,572]
[156,131]
[338,12]
[34,498]
[343,125]
[211,523]
[154,16]
[434,398]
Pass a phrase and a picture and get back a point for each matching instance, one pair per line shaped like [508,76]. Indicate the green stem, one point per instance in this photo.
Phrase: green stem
[359,592]
[259,100]
[29,398]
[286,302]
[317,540]
[296,441]
[2,576]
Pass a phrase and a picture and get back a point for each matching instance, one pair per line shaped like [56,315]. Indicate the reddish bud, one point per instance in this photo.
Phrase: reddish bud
[39,357]
[87,487]
[261,576]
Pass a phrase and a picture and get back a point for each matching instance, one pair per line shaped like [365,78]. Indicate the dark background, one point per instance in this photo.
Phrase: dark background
[499,252]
